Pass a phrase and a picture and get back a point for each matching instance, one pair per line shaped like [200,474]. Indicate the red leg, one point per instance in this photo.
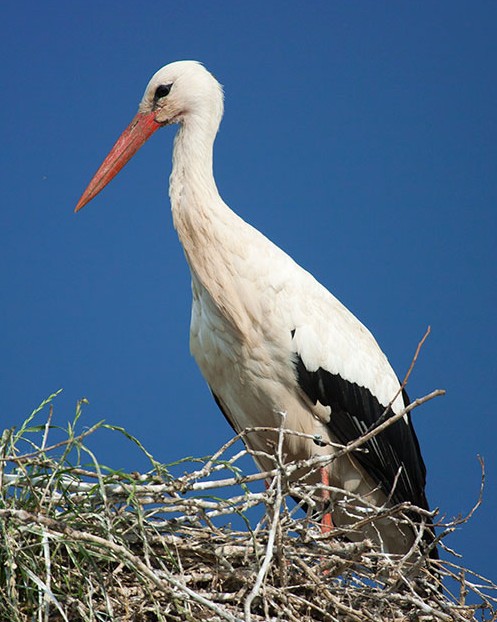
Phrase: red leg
[326,522]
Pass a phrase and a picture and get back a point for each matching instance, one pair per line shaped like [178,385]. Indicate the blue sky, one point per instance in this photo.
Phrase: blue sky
[361,137]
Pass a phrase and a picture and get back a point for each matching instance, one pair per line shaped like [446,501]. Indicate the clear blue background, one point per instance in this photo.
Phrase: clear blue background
[361,137]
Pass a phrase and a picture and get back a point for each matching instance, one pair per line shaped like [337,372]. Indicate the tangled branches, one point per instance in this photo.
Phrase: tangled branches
[199,540]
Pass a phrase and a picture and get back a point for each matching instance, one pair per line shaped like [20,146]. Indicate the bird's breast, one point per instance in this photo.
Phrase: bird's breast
[248,368]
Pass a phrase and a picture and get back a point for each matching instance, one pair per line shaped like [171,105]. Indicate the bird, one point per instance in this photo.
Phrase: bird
[269,339]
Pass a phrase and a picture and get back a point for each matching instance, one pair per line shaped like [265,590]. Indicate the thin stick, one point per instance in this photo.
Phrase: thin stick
[261,575]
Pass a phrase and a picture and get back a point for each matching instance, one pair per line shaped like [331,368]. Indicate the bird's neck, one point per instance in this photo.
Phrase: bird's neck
[192,183]
[206,227]
[192,188]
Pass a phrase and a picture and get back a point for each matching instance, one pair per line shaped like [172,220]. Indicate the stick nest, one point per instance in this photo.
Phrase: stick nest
[197,540]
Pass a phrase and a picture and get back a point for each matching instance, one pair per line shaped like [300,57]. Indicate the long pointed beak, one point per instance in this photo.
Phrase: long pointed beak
[134,136]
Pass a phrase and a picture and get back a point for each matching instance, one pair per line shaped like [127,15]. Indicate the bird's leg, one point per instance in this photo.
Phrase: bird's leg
[326,522]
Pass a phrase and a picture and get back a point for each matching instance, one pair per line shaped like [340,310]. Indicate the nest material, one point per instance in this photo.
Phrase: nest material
[82,543]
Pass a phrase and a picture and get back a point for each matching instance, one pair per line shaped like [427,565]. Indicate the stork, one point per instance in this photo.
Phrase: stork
[267,337]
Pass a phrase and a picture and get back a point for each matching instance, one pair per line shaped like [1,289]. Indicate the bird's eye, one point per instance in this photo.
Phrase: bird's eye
[162,91]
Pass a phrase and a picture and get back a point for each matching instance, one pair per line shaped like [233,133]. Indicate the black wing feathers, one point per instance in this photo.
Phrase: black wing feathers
[393,457]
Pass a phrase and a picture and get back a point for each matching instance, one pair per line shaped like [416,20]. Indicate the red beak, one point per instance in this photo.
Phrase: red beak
[134,136]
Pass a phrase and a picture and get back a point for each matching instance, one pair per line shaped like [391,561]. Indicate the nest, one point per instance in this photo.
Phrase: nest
[199,540]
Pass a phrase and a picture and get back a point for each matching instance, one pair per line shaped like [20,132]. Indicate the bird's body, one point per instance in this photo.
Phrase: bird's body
[268,338]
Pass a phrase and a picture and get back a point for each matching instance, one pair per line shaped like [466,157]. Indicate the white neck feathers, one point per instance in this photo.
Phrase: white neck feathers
[207,228]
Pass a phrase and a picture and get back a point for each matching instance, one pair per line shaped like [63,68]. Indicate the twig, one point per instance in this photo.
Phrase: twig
[415,357]
[64,443]
[272,532]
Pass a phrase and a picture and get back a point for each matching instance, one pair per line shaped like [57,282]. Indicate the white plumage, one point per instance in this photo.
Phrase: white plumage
[266,335]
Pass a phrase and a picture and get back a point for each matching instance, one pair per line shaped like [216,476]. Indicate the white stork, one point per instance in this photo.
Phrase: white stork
[268,338]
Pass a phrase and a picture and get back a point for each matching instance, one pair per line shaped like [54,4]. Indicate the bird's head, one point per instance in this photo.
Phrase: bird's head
[180,92]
